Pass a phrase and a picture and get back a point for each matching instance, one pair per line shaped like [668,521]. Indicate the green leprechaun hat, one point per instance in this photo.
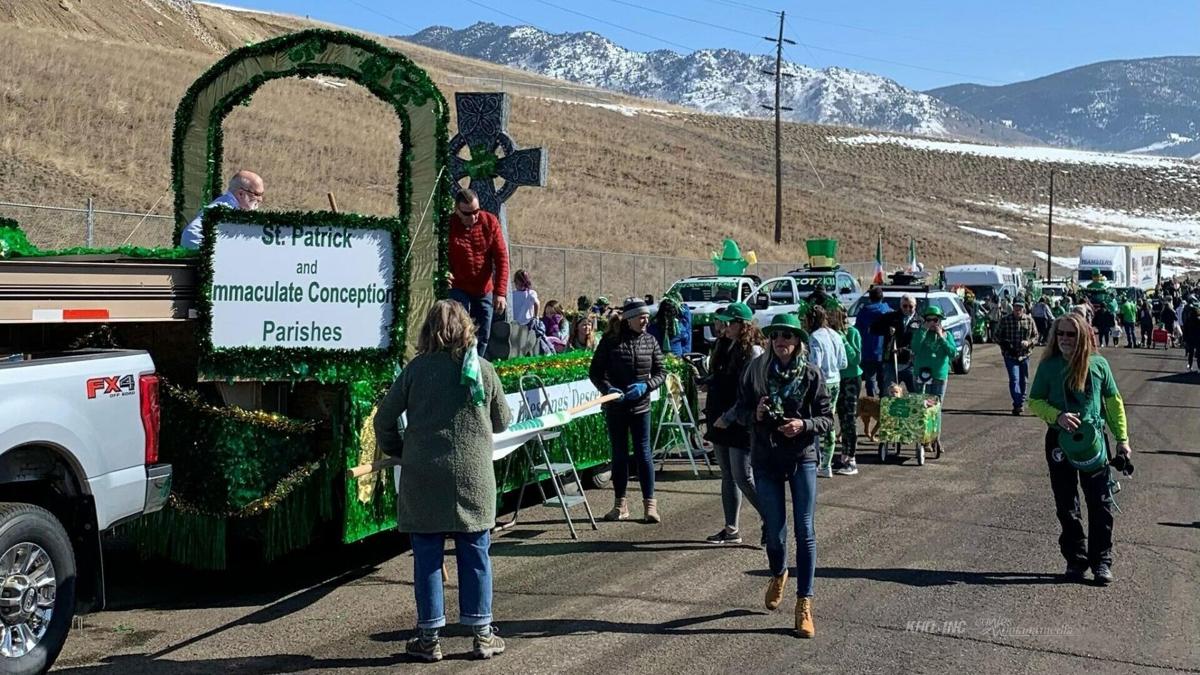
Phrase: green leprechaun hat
[730,262]
[822,253]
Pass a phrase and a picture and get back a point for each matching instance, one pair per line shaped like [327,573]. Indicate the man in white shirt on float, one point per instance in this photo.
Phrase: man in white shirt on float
[245,192]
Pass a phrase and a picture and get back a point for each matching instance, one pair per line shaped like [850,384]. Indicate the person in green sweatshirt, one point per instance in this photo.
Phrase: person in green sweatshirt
[1128,314]
[847,403]
[1073,389]
[933,350]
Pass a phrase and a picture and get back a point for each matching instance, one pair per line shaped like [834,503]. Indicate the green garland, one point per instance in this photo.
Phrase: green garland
[301,363]
[14,244]
[389,75]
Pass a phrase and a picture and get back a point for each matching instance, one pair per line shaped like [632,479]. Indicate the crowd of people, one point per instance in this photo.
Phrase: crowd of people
[777,401]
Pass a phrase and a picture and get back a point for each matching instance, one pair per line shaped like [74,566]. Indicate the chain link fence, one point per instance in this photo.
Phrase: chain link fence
[561,274]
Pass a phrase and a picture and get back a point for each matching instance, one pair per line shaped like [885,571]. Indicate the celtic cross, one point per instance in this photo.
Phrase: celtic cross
[483,129]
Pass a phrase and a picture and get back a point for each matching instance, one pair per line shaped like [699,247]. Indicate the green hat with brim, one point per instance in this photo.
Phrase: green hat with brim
[789,322]
[933,310]
[739,311]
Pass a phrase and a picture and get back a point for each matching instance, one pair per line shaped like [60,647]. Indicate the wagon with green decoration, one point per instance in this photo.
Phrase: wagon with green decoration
[910,421]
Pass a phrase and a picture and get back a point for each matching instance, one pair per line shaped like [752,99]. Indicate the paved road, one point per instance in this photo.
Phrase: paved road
[951,567]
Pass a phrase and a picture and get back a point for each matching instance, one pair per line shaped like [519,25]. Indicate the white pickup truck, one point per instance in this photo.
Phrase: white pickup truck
[78,455]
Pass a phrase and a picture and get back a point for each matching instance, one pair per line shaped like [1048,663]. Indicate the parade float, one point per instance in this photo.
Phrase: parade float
[280,334]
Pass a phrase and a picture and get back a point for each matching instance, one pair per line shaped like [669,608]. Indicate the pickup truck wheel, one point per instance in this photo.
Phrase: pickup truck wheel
[37,588]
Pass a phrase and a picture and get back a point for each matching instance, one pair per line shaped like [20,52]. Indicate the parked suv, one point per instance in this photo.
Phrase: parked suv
[956,321]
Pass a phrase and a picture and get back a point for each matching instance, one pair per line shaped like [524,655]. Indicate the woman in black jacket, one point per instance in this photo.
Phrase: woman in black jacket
[628,362]
[740,343]
[784,401]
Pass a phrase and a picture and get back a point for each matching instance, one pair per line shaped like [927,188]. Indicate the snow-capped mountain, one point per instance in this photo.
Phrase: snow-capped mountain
[722,81]
[1143,105]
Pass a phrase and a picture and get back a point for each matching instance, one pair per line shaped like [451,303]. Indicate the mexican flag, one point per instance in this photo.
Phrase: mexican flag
[878,278]
[913,268]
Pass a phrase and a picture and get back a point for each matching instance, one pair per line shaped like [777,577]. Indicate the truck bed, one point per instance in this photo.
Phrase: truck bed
[96,288]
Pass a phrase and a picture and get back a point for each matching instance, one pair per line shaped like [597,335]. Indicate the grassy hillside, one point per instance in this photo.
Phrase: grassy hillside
[89,94]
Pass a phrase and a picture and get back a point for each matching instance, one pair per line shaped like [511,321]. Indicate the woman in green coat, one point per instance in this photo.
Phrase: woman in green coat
[933,349]
[453,403]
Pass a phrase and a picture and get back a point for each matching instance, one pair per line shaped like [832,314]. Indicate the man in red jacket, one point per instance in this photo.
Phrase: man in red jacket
[478,263]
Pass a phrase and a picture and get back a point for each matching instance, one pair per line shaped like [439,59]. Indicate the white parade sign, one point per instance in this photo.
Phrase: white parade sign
[325,287]
[562,396]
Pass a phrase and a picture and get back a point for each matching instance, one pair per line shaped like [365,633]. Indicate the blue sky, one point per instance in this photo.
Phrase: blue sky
[920,43]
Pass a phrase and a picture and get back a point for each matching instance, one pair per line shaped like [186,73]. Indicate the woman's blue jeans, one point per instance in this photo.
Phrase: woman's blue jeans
[771,486]
[474,578]
[621,425]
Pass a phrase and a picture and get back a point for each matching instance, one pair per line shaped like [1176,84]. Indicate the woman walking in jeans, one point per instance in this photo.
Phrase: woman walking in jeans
[628,362]
[739,345]
[454,403]
[784,401]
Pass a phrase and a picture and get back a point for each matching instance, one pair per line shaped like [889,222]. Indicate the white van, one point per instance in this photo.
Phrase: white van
[984,280]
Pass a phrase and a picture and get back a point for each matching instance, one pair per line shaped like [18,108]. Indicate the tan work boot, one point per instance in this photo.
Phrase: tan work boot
[804,622]
[651,510]
[620,510]
[775,590]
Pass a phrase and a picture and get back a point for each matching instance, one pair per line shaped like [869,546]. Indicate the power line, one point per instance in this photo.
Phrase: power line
[686,18]
[744,5]
[386,16]
[618,26]
[503,13]
[891,62]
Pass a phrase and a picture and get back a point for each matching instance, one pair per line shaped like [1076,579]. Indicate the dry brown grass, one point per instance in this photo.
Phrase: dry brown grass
[90,115]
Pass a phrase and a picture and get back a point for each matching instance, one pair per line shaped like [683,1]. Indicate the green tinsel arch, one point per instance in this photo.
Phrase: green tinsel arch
[196,171]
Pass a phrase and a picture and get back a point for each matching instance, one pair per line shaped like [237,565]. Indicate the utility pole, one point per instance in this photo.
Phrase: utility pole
[1050,227]
[778,108]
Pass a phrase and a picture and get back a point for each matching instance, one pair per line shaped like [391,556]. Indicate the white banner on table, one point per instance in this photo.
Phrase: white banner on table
[325,287]
[561,396]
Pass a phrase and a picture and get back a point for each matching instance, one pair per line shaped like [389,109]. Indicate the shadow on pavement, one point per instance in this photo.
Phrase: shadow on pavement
[545,628]
[1177,378]
[922,578]
[135,664]
[1195,525]
[911,577]
[1179,453]
[501,548]
[984,413]
[304,576]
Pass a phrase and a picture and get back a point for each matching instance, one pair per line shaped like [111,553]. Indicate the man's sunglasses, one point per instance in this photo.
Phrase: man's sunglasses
[932,319]
[469,213]
[253,193]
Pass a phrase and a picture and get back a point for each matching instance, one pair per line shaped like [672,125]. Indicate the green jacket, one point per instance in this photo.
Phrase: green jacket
[447,483]
[934,353]
[1128,312]
[853,340]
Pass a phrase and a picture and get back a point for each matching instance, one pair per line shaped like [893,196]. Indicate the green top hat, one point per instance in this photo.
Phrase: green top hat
[822,252]
[933,310]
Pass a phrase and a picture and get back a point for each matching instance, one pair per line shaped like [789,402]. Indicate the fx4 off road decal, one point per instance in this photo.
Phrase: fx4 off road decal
[110,387]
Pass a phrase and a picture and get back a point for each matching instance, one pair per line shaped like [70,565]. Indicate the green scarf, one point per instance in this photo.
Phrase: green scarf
[782,381]
[471,375]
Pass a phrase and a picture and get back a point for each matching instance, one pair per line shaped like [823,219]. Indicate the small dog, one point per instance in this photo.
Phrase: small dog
[868,410]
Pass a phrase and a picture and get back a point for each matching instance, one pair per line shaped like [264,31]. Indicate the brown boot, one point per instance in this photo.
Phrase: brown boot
[775,590]
[804,622]
[620,510]
[651,510]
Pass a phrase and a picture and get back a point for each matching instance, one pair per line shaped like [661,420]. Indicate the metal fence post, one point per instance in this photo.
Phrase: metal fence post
[600,291]
[564,275]
[90,221]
